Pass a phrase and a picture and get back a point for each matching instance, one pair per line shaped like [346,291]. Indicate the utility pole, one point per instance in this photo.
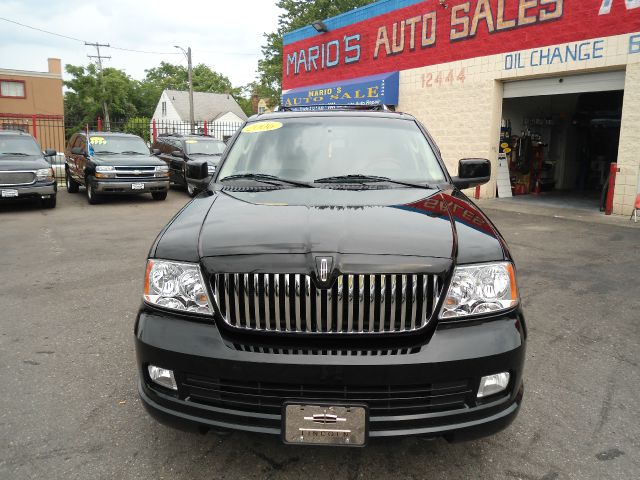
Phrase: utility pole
[105,109]
[190,73]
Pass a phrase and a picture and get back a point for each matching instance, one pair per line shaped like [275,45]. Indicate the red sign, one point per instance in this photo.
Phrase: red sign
[429,33]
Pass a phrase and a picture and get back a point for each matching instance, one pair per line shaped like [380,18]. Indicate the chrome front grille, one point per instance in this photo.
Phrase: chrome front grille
[381,303]
[135,172]
[17,178]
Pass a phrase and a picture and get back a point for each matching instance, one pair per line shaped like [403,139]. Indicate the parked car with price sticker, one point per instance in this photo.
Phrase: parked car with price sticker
[334,285]
[113,163]
[25,172]
[178,150]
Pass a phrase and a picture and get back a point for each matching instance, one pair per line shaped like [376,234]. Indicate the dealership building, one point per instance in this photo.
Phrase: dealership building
[548,90]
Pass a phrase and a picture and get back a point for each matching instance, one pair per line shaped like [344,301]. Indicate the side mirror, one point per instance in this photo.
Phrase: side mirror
[78,151]
[50,152]
[198,173]
[156,151]
[177,153]
[472,172]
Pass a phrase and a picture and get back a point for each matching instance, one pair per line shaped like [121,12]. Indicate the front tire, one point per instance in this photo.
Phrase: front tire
[49,202]
[159,196]
[92,197]
[72,185]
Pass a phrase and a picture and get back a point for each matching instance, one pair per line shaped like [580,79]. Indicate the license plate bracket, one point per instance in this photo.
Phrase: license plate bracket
[9,193]
[137,186]
[325,424]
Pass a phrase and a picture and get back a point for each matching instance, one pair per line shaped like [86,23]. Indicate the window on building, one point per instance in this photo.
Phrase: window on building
[164,109]
[12,88]
[261,109]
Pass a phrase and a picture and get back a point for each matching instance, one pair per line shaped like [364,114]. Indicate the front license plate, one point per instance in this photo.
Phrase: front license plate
[137,186]
[9,193]
[325,424]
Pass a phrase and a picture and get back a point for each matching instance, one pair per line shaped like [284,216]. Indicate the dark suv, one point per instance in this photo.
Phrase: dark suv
[333,284]
[24,170]
[113,163]
[177,150]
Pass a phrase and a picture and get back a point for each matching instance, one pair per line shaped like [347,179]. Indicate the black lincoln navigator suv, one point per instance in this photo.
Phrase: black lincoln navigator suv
[333,284]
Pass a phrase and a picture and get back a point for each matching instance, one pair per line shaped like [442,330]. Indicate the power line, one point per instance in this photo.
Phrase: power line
[133,50]
[41,30]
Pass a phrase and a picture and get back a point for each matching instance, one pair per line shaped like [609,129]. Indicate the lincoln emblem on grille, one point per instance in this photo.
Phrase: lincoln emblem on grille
[324,269]
[324,265]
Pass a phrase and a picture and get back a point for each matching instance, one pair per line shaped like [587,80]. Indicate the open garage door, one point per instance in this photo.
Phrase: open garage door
[588,82]
[560,135]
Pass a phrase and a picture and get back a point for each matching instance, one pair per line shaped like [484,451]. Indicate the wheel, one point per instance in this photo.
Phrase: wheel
[191,190]
[49,202]
[159,195]
[92,197]
[72,185]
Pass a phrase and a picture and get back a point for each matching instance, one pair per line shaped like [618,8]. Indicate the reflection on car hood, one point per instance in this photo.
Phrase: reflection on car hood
[407,222]
[210,159]
[21,162]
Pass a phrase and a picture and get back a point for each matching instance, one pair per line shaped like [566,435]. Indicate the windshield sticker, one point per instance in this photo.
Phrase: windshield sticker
[191,141]
[262,127]
[97,141]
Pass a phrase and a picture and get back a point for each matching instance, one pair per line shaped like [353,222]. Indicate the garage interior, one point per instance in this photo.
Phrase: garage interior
[559,146]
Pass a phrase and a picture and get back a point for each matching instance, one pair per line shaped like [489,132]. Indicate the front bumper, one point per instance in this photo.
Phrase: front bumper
[35,190]
[126,186]
[197,350]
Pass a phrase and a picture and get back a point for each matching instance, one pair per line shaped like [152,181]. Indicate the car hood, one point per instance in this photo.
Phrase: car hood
[289,222]
[127,160]
[20,162]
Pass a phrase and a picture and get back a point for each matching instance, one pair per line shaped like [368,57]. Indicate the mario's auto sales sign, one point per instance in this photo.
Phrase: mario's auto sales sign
[438,31]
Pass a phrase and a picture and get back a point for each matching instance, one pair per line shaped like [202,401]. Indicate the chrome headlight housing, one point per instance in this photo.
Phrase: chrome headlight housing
[105,171]
[176,286]
[162,171]
[45,175]
[480,290]
[211,169]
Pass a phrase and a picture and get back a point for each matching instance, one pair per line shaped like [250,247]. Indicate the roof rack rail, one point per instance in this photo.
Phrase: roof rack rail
[378,107]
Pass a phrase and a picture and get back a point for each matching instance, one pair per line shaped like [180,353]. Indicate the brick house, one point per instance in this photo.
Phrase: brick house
[33,102]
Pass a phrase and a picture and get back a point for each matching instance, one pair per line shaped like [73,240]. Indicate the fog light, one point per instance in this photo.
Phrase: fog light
[162,377]
[492,384]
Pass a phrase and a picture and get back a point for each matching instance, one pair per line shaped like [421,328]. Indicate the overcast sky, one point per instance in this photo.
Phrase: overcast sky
[225,35]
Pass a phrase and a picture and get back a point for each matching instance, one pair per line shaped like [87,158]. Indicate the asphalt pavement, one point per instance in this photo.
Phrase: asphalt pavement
[70,285]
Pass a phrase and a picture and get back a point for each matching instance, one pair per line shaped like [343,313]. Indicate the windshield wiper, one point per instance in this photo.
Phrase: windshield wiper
[15,153]
[132,152]
[263,177]
[362,179]
[209,154]
[104,152]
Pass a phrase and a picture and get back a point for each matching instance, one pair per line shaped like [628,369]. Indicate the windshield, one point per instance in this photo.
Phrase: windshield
[19,146]
[204,147]
[308,149]
[113,144]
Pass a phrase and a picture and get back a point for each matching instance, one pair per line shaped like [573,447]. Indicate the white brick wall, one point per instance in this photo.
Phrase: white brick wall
[464,117]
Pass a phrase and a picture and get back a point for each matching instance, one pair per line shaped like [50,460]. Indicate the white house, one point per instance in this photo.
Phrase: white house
[220,111]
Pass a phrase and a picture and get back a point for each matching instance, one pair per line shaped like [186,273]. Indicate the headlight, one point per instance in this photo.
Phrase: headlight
[162,171]
[177,286]
[480,289]
[211,169]
[45,174]
[105,171]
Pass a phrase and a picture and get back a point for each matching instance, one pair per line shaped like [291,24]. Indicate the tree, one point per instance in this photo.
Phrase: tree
[297,14]
[85,94]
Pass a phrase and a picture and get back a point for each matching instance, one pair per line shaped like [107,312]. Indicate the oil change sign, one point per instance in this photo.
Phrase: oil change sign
[386,38]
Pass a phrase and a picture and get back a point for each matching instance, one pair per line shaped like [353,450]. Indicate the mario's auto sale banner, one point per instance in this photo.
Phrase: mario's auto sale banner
[431,32]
